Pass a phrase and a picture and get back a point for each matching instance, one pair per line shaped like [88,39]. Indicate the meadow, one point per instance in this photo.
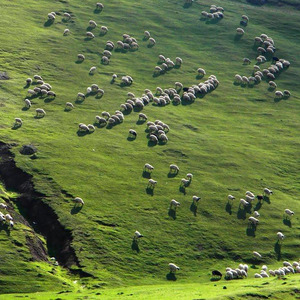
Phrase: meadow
[232,140]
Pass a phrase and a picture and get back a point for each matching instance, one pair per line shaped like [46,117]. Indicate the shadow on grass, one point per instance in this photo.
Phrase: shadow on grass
[194,209]
[237,37]
[81,133]
[25,108]
[79,61]
[186,5]
[151,144]
[150,46]
[39,117]
[97,11]
[182,190]
[146,174]
[241,214]
[199,76]
[48,23]
[135,246]
[258,206]
[171,276]
[250,231]
[287,222]
[215,278]
[267,199]
[140,122]
[149,191]
[131,138]
[172,213]
[277,249]
[228,208]
[26,86]
[16,126]
[6,228]
[49,99]
[76,209]
[172,175]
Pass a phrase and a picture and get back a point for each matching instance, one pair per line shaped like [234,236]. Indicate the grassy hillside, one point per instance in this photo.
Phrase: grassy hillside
[232,140]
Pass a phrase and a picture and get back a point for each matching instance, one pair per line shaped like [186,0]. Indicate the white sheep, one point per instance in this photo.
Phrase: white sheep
[244,202]
[178,61]
[99,6]
[132,133]
[238,78]
[272,84]
[92,70]
[78,200]
[173,268]
[137,235]
[69,105]
[152,183]
[92,24]
[91,127]
[246,60]
[81,96]
[268,192]
[230,197]
[256,254]
[201,71]
[67,15]
[280,235]
[152,42]
[256,214]
[189,176]
[148,167]
[8,217]
[196,199]
[3,206]
[103,30]
[286,93]
[253,220]
[245,18]
[66,31]
[288,212]
[83,127]
[174,169]
[153,138]
[80,57]
[100,120]
[90,35]
[147,34]
[174,204]
[240,31]
[51,16]
[185,182]
[40,112]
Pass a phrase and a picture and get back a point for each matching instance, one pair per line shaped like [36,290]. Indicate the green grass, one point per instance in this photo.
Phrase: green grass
[234,139]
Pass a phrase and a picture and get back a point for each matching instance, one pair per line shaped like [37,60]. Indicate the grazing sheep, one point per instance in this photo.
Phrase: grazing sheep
[18,122]
[8,217]
[173,268]
[67,15]
[163,138]
[28,81]
[91,127]
[99,6]
[137,235]
[288,212]
[240,31]
[185,182]
[148,167]
[280,236]
[78,200]
[256,254]
[3,206]
[153,138]
[246,60]
[256,275]
[80,57]
[83,127]
[69,105]
[189,176]
[196,199]
[100,120]
[174,169]
[268,192]
[40,112]
[230,197]
[151,183]
[66,31]
[92,24]
[147,35]
[152,42]
[178,61]
[253,221]
[51,16]
[142,117]
[132,133]
[174,204]
[90,35]
[27,103]
[105,60]
[286,93]
[244,17]
[92,70]
[80,96]
[256,214]
[272,84]
[201,71]
[103,30]
[244,202]
[238,78]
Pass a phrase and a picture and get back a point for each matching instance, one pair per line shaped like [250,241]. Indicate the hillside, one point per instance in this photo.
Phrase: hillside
[233,139]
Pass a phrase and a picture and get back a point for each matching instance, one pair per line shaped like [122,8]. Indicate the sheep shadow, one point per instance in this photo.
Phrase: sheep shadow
[76,209]
[172,175]
[97,11]
[276,100]
[241,214]
[135,246]
[6,228]
[151,144]
[102,33]
[171,276]
[287,222]
[182,190]
[67,109]
[48,23]
[258,206]
[127,112]
[99,125]
[172,213]
[78,61]
[271,89]
[149,191]
[86,39]
[250,231]
[26,86]
[137,109]
[228,208]
[156,75]
[199,76]
[277,249]
[194,209]
[215,279]
[267,199]
[109,126]
[131,138]
[150,46]
[39,116]
[186,5]
[81,133]
[16,126]
[140,122]
[49,99]
[25,108]
[237,37]
[90,28]
[146,174]
[79,101]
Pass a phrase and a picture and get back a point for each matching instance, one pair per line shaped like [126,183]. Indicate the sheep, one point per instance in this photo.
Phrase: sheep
[51,16]
[99,6]
[100,120]
[173,268]
[196,199]
[69,105]
[40,112]
[174,169]
[185,182]
[244,17]
[151,183]
[178,61]
[240,31]
[91,127]
[92,70]
[256,214]
[253,221]
[245,80]
[88,90]
[103,30]
[189,176]
[3,206]
[272,84]
[153,138]
[129,106]
[174,204]
[256,254]
[152,42]
[11,223]
[230,197]
[286,93]
[137,235]
[132,133]
[246,60]
[105,60]
[8,217]
[238,78]
[78,200]
[249,198]
[109,45]
[90,35]
[288,212]
[166,128]
[147,35]
[92,24]
[163,138]
[67,15]
[27,103]
[280,235]
[244,202]
[268,192]
[2,217]
[201,71]
[83,127]
[148,167]
[142,117]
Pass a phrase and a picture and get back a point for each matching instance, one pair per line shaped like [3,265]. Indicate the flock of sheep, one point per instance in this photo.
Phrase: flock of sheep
[6,218]
[158,130]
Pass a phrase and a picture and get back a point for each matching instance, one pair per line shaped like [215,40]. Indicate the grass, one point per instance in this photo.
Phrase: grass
[234,139]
